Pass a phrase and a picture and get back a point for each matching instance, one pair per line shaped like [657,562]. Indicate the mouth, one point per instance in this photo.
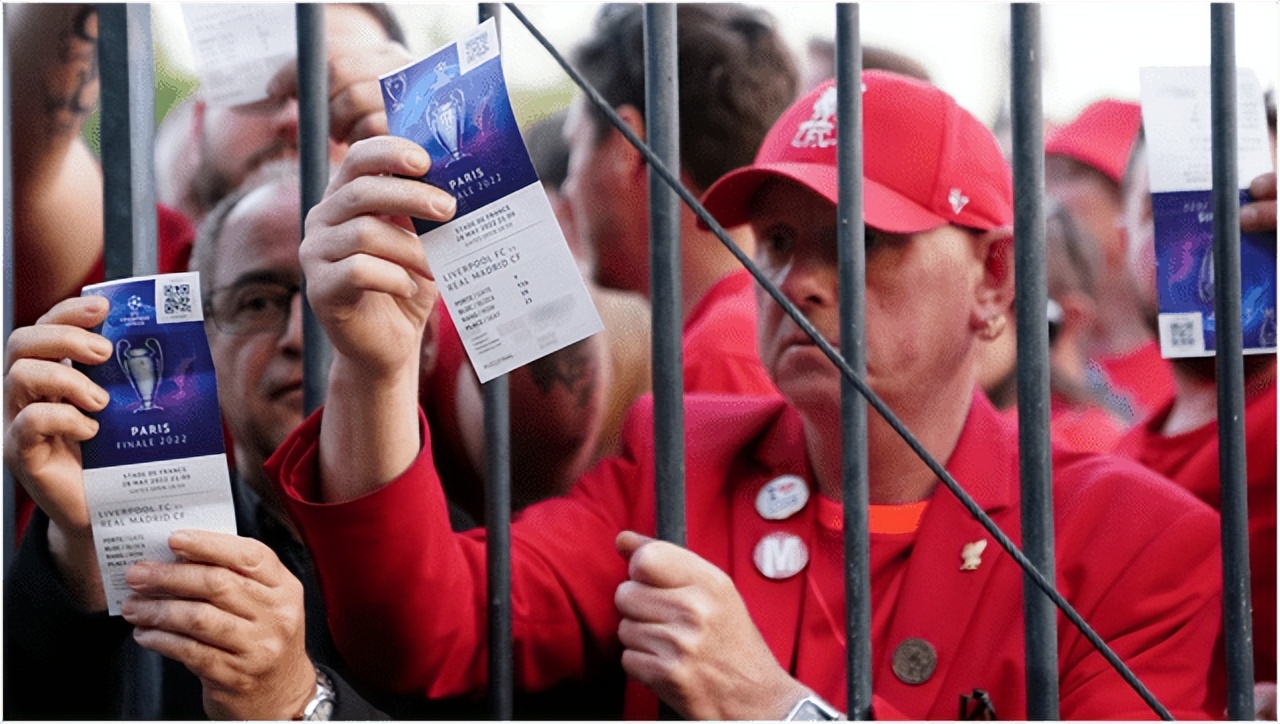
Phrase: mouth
[285,390]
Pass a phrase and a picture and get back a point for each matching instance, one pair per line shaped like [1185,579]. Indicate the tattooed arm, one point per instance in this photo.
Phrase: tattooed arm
[57,185]
[557,405]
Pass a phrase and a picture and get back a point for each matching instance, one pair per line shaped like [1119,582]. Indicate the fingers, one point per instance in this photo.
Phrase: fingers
[663,565]
[352,222]
[1259,215]
[61,334]
[183,627]
[85,311]
[247,557]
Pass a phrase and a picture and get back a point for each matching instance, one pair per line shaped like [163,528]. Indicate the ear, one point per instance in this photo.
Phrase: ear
[628,158]
[993,292]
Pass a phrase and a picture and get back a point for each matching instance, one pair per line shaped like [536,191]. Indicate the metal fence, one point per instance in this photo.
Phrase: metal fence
[126,71]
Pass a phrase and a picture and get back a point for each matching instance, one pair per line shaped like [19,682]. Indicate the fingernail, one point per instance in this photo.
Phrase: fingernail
[444,204]
[417,159]
[101,346]
[137,575]
[179,539]
[1248,215]
[101,397]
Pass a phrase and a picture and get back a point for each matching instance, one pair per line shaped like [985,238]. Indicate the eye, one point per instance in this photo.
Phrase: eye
[777,244]
[258,299]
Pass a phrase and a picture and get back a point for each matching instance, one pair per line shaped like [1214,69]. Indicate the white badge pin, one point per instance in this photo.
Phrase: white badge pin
[971,555]
[957,199]
[782,497]
[780,555]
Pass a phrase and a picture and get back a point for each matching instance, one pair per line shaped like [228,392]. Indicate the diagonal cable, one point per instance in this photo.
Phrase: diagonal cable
[874,400]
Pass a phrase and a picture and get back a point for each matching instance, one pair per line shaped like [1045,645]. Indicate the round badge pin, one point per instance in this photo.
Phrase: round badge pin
[780,556]
[782,497]
[914,661]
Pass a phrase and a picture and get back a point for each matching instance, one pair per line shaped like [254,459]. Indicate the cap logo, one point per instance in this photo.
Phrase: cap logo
[820,130]
[957,199]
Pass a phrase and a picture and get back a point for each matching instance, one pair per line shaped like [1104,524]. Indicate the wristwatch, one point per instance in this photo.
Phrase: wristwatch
[812,708]
[320,708]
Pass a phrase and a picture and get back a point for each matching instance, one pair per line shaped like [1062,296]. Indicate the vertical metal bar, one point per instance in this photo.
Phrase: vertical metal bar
[128,128]
[1033,361]
[497,496]
[313,152]
[662,125]
[1230,360]
[10,502]
[851,263]
[127,112]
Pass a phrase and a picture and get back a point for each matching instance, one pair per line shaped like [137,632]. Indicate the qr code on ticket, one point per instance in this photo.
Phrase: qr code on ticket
[178,299]
[1182,334]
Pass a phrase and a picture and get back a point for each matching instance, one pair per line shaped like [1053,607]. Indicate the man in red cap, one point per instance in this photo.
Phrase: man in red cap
[1084,164]
[747,622]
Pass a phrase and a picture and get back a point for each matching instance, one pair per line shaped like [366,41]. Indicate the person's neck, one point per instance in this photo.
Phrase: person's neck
[1195,401]
[1117,329]
[705,261]
[896,475]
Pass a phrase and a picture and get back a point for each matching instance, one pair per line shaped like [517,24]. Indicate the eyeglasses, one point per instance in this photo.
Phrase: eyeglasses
[254,307]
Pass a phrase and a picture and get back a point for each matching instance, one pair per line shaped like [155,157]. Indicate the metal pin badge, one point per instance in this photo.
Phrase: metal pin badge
[780,555]
[971,555]
[914,661]
[782,497]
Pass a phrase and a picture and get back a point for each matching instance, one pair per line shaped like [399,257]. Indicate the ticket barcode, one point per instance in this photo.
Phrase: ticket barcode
[1182,334]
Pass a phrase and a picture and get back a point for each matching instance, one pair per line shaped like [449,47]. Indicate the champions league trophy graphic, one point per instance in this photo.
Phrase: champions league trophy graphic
[396,87]
[143,366]
[1204,285]
[447,116]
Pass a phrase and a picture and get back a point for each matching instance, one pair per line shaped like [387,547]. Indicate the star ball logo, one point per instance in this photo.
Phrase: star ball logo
[137,312]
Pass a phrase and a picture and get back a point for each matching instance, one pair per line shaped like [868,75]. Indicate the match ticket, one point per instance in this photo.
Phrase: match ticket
[239,47]
[158,462]
[1176,115]
[502,264]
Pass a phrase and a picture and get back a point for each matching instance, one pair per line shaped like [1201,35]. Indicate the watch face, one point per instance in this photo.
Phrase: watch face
[323,711]
[810,711]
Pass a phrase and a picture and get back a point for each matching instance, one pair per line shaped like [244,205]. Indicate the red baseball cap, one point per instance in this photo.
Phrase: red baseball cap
[926,161]
[1101,137]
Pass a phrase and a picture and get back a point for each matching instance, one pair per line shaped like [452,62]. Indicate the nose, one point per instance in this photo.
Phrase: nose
[807,282]
[284,121]
[291,339]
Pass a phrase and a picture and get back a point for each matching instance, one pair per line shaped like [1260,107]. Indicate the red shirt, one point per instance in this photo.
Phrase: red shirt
[719,342]
[1142,379]
[1136,555]
[175,237]
[1191,460]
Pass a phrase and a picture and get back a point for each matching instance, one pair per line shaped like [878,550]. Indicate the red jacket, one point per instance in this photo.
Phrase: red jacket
[1191,460]
[1137,556]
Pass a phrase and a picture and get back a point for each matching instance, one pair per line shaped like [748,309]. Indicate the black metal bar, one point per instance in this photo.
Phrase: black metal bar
[497,497]
[127,109]
[851,264]
[662,126]
[313,155]
[872,398]
[10,501]
[1039,616]
[1230,361]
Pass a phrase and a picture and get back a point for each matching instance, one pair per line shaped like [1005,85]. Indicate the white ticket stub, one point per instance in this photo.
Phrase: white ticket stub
[239,47]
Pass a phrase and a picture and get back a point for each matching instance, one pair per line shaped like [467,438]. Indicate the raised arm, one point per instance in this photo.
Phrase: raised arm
[57,185]
[369,284]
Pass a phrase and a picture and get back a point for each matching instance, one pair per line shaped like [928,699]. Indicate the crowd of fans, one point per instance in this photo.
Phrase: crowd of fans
[356,587]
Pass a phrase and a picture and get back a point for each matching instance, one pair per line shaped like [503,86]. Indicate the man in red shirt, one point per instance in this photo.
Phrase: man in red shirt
[1180,438]
[736,76]
[747,622]
[1084,163]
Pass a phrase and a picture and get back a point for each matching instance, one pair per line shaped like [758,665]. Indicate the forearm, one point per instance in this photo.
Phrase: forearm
[370,431]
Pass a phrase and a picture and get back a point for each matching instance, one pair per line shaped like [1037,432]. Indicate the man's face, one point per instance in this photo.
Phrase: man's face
[236,141]
[603,200]
[1140,234]
[1092,200]
[259,372]
[918,303]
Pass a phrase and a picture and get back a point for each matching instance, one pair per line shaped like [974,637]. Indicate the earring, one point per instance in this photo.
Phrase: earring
[994,327]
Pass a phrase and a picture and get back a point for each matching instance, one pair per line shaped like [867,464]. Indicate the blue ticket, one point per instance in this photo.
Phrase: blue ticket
[1176,117]
[502,264]
[158,462]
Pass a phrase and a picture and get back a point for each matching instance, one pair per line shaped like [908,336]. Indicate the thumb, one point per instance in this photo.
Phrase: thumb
[628,542]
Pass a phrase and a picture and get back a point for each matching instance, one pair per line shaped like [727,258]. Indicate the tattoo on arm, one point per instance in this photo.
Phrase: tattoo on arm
[70,99]
[572,368]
